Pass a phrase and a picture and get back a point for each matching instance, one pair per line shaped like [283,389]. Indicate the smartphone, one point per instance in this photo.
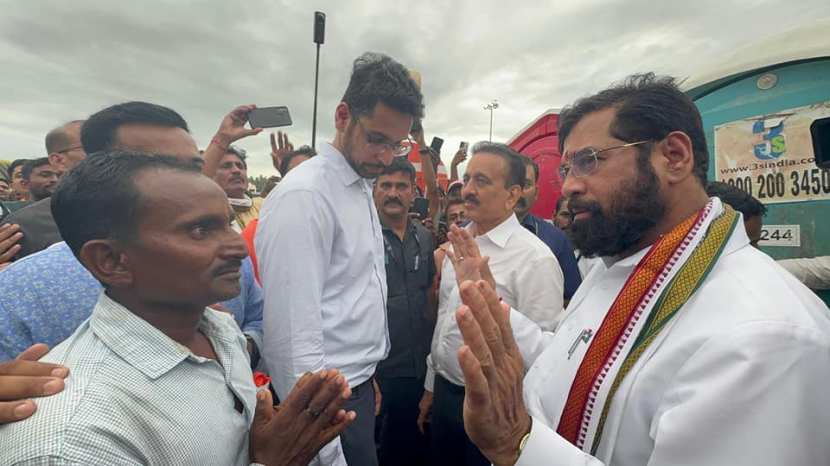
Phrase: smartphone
[463,147]
[436,144]
[269,117]
[420,206]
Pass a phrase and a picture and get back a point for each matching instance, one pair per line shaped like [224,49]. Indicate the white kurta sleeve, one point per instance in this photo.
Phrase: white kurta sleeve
[529,337]
[546,447]
[294,243]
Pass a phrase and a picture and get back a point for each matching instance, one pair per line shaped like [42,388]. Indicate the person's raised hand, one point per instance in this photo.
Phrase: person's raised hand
[417,133]
[9,236]
[495,416]
[233,127]
[280,147]
[309,418]
[466,258]
[459,157]
[24,378]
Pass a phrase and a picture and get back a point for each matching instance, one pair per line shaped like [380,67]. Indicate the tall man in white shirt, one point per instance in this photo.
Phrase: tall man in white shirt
[687,347]
[526,274]
[320,249]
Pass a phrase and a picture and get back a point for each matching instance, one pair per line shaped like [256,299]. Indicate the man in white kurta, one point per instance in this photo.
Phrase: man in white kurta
[739,378]
[734,372]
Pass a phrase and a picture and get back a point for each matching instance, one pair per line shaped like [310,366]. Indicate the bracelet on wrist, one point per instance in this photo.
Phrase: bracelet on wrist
[216,141]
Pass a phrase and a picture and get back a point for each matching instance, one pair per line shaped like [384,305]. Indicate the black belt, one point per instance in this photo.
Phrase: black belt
[448,386]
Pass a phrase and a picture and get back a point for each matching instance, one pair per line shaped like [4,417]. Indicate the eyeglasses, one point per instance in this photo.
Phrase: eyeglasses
[69,149]
[585,161]
[398,149]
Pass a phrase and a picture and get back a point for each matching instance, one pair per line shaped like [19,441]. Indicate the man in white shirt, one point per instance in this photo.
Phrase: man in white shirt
[526,274]
[689,347]
[320,250]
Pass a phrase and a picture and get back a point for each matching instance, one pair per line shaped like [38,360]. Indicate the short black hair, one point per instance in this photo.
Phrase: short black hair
[648,109]
[531,163]
[305,151]
[515,167]
[98,199]
[400,165]
[240,153]
[98,132]
[30,166]
[13,166]
[57,139]
[377,78]
[738,199]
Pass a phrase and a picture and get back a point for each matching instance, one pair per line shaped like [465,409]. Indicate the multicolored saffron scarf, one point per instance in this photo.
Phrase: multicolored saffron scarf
[660,284]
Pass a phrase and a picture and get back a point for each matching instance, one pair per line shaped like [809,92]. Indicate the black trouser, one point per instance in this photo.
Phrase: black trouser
[449,443]
[400,443]
[358,440]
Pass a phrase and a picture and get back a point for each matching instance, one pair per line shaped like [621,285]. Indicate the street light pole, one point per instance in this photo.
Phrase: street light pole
[491,106]
[314,113]
[319,39]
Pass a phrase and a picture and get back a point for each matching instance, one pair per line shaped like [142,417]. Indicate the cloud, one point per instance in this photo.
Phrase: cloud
[65,60]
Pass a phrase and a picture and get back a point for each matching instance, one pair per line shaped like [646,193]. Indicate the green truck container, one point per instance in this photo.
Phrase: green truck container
[766,113]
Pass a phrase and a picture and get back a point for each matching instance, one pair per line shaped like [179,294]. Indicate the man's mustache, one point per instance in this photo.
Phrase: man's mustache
[576,205]
[471,199]
[393,200]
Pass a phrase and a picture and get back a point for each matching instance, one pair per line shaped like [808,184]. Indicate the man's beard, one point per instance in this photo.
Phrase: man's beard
[365,170]
[635,209]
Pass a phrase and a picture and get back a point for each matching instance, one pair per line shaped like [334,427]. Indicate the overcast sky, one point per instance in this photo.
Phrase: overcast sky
[62,60]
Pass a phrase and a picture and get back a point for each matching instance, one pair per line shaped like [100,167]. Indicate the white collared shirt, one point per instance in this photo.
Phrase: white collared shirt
[321,260]
[528,277]
[739,376]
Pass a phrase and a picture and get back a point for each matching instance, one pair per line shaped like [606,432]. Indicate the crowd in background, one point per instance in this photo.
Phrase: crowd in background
[399,318]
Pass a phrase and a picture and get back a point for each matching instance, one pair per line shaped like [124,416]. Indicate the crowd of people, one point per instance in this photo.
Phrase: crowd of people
[326,320]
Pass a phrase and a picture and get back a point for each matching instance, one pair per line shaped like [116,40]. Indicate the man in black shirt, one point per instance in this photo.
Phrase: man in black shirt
[410,268]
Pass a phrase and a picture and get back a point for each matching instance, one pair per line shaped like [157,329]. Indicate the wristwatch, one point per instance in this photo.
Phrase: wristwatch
[525,438]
